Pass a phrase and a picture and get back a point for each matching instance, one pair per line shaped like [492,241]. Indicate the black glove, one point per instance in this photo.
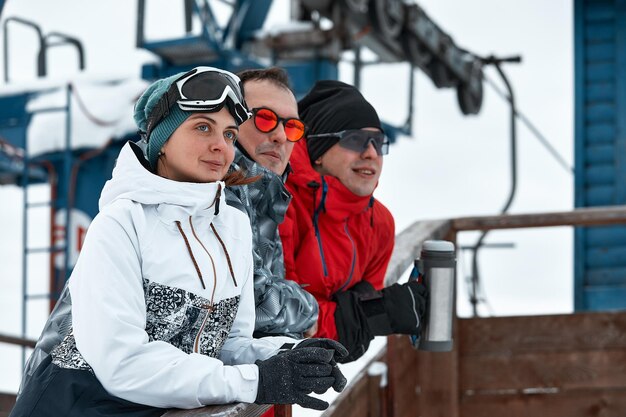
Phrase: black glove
[362,313]
[288,377]
[339,353]
[353,330]
[398,309]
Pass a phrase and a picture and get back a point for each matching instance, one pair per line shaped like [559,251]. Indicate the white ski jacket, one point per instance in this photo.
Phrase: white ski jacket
[158,315]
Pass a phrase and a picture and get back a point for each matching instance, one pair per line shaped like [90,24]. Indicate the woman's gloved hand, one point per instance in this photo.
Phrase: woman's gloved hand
[339,353]
[288,377]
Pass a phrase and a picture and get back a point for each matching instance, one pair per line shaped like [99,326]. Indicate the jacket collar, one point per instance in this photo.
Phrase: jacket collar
[175,200]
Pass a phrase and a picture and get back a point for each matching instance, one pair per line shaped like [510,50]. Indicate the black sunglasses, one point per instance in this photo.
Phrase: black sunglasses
[358,140]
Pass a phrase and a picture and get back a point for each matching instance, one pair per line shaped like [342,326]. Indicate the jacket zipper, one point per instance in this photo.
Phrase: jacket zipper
[197,341]
[209,308]
[345,228]
[319,208]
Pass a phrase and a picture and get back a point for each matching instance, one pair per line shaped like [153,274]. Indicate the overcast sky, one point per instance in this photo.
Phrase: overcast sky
[452,165]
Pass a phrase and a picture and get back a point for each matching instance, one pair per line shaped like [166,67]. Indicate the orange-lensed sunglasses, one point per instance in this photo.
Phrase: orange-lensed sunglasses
[266,120]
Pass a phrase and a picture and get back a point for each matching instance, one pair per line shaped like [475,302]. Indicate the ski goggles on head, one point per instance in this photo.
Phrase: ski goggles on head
[266,120]
[203,89]
[358,140]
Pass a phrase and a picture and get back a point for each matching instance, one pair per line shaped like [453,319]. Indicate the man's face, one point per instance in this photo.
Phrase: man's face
[358,172]
[271,150]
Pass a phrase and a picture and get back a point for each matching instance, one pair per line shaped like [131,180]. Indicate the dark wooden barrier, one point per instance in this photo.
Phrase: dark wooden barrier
[561,365]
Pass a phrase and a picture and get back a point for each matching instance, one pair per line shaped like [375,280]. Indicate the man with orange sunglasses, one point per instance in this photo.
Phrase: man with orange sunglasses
[263,149]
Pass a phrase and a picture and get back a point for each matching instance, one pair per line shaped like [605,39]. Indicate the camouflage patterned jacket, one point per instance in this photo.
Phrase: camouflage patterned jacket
[282,306]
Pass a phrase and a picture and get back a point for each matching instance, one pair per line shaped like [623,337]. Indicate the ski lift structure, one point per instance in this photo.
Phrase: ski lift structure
[308,48]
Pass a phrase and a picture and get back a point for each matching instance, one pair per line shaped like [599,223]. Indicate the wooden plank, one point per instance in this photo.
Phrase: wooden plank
[597,10]
[227,410]
[282,411]
[14,340]
[599,154]
[403,364]
[603,51]
[608,256]
[604,91]
[581,217]
[599,134]
[580,403]
[421,383]
[600,174]
[555,333]
[600,72]
[375,406]
[605,276]
[600,195]
[606,297]
[599,32]
[7,402]
[563,370]
[604,236]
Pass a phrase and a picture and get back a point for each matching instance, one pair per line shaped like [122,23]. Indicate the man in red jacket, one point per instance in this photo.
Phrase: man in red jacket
[337,238]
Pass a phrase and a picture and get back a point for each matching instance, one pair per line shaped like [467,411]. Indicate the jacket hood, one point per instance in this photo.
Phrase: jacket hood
[338,201]
[131,180]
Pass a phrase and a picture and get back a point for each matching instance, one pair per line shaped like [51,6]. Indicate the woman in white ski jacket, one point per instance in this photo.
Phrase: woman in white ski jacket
[162,293]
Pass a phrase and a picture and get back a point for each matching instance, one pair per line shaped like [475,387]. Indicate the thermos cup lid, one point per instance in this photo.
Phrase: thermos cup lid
[436,251]
[438,246]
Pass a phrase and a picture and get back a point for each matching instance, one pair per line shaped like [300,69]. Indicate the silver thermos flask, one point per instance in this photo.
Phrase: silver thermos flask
[437,265]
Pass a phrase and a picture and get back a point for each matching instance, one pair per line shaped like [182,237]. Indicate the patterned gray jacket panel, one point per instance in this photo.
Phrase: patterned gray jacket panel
[282,306]
[56,329]
[175,316]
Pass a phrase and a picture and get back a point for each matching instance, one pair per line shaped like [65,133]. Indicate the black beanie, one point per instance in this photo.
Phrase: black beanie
[330,107]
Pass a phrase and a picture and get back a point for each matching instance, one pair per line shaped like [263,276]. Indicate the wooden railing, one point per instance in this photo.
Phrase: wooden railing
[429,384]
[14,340]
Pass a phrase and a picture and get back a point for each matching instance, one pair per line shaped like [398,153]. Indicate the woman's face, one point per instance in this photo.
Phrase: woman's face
[201,149]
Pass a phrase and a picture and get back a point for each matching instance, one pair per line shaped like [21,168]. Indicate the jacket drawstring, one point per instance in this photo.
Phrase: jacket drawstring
[193,259]
[230,265]
[210,257]
[371,206]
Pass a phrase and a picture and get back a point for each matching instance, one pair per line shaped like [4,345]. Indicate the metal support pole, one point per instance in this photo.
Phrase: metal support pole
[513,156]
[358,65]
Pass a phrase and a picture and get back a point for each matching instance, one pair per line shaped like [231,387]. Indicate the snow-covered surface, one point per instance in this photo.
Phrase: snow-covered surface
[284,28]
[100,109]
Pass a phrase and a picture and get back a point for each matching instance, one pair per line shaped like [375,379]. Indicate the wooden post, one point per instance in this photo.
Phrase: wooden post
[282,411]
[377,389]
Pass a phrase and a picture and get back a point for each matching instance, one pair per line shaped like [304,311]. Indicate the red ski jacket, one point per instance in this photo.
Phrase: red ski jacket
[332,238]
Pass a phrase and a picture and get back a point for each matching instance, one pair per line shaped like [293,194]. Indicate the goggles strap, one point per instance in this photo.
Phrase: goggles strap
[162,109]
